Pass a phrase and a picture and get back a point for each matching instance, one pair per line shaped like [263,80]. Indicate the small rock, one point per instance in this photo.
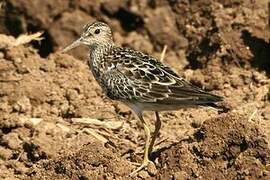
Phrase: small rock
[18,60]
[151,168]
[236,81]
[48,66]
[54,110]
[1,55]
[35,121]
[180,175]
[4,106]
[258,77]
[38,111]
[12,141]
[23,105]
[72,94]
[64,107]
[143,174]
[5,153]
[267,167]
[196,123]
[266,113]
[19,167]
[6,41]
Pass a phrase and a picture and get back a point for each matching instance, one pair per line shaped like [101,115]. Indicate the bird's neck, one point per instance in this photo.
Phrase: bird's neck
[97,60]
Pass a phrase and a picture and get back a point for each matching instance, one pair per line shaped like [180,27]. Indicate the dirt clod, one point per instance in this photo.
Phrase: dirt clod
[227,147]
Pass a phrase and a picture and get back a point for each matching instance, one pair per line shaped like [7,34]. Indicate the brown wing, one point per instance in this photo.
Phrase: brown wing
[139,77]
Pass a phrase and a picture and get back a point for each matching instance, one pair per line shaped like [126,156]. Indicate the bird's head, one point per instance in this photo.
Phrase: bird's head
[97,33]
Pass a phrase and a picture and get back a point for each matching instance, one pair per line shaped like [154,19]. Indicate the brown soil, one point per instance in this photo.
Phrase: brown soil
[222,46]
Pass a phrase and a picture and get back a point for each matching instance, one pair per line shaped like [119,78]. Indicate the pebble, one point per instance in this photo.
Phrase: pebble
[1,55]
[143,174]
[18,166]
[5,153]
[196,123]
[23,105]
[151,168]
[12,141]
[266,113]
[180,175]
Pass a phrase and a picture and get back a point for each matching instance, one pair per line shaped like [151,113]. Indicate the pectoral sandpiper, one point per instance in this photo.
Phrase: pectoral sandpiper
[138,80]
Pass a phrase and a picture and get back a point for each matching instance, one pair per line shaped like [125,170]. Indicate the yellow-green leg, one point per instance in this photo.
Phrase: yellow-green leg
[148,145]
[146,149]
[157,128]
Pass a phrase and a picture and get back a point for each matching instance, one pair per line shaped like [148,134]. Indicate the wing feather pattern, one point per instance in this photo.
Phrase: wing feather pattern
[141,78]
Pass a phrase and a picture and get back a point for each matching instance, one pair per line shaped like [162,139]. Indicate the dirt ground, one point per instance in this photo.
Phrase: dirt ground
[55,123]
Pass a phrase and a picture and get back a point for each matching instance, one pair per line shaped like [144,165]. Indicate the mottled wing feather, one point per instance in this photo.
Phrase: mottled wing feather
[134,76]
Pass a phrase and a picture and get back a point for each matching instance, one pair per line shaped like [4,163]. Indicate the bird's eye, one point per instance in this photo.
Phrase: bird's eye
[97,31]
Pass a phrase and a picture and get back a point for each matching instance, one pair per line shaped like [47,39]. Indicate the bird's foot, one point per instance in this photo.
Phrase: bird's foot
[141,167]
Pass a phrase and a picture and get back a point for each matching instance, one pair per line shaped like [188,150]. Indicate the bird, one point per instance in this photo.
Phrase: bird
[138,80]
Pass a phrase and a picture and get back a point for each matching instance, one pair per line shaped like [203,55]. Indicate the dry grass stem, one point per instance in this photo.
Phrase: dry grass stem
[162,56]
[63,127]
[114,125]
[95,135]
[26,38]
[33,121]
[252,115]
